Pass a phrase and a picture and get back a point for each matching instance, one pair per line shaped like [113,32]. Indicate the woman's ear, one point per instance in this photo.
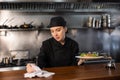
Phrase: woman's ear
[66,29]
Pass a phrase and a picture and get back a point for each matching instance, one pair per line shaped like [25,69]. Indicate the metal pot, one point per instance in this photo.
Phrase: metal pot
[27,25]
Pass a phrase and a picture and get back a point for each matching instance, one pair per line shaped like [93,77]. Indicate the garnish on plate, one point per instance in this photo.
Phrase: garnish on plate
[89,54]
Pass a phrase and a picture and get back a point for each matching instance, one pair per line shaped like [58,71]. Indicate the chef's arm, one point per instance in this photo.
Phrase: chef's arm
[41,58]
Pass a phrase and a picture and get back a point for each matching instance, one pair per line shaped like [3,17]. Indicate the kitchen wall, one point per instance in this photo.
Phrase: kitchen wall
[103,41]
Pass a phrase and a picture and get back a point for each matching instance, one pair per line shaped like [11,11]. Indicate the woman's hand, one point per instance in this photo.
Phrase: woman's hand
[29,68]
[81,61]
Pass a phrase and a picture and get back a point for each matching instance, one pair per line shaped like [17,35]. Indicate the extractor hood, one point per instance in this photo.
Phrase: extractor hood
[59,5]
[38,0]
[59,1]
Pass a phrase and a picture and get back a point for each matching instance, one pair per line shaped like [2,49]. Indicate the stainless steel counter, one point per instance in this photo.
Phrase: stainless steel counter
[12,68]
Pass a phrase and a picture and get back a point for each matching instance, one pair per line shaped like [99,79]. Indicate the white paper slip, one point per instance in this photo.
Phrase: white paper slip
[38,73]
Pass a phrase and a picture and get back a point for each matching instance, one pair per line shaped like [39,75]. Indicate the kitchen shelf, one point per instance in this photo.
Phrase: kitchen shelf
[32,29]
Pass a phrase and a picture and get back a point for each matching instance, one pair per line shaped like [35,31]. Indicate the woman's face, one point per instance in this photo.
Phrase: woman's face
[58,33]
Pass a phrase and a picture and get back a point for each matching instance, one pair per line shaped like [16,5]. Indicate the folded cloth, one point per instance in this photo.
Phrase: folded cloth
[38,72]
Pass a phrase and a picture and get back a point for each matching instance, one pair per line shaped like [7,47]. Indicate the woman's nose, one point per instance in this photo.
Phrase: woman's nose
[55,34]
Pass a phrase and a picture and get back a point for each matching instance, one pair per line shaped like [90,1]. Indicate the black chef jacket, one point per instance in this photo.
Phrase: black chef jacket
[53,54]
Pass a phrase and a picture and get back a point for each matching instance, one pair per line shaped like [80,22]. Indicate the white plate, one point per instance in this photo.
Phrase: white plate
[99,57]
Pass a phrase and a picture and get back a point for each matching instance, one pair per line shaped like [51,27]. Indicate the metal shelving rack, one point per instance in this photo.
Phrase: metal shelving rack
[65,7]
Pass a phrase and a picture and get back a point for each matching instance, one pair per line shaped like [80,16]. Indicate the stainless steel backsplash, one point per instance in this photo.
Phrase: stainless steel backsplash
[31,40]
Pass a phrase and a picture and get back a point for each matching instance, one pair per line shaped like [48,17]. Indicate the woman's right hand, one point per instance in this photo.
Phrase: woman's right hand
[29,68]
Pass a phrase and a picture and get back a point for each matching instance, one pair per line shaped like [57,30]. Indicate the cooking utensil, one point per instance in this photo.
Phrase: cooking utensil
[27,25]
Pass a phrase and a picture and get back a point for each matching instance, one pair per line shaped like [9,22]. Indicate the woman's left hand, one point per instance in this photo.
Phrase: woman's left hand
[81,61]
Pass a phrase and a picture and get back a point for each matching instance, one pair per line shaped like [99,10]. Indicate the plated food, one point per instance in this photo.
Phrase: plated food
[89,55]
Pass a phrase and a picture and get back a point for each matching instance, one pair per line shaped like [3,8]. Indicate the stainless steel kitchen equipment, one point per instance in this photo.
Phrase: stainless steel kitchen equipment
[75,12]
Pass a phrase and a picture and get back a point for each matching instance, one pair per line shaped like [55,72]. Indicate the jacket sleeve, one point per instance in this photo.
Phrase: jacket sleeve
[42,56]
[75,53]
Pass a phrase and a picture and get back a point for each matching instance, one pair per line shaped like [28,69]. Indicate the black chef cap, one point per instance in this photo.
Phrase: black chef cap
[57,21]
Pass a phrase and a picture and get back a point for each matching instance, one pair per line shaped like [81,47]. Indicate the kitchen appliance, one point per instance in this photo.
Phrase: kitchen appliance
[111,64]
[16,58]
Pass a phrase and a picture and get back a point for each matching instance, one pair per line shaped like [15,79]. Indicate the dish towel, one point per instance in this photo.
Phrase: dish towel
[38,72]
